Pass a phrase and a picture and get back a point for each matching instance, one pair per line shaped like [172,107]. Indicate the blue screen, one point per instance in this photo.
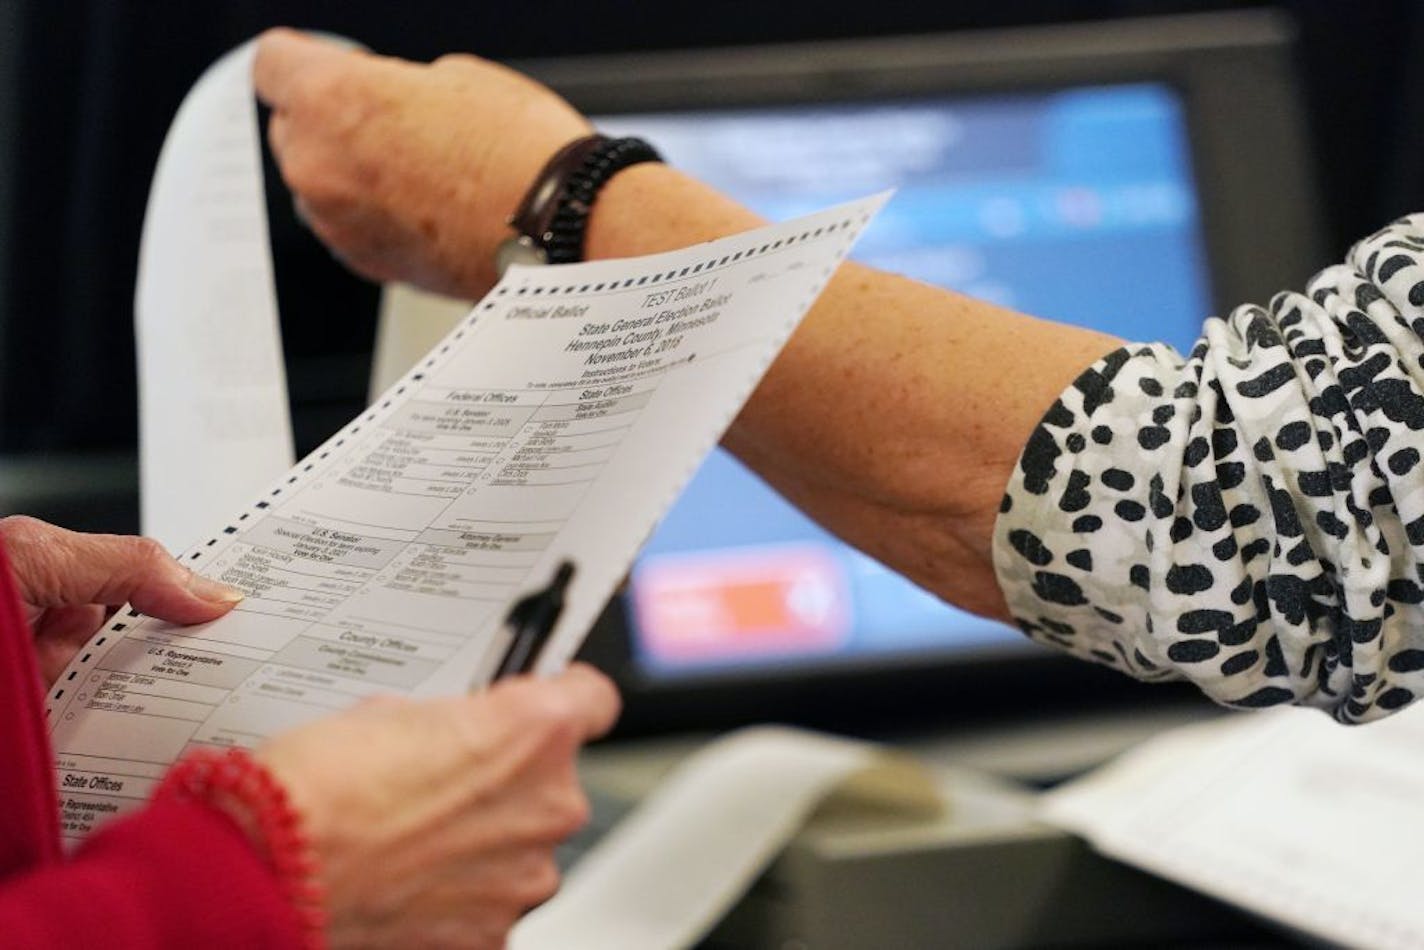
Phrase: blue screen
[1077,205]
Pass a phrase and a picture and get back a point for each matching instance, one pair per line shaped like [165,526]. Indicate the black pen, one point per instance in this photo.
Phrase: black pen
[531,620]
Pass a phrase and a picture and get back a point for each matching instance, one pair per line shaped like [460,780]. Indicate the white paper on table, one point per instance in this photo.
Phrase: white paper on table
[559,420]
[1283,812]
[214,423]
[669,871]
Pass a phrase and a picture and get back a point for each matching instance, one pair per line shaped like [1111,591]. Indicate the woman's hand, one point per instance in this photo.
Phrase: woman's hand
[436,821]
[407,171]
[70,582]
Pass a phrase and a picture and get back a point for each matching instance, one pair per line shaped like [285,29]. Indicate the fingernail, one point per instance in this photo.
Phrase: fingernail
[213,591]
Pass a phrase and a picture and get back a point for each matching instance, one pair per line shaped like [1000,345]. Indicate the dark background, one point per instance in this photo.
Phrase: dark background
[87,91]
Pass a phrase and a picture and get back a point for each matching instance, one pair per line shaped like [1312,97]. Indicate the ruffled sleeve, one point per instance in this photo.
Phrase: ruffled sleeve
[1250,518]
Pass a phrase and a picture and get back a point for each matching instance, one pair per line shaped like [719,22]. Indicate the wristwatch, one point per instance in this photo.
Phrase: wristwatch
[550,222]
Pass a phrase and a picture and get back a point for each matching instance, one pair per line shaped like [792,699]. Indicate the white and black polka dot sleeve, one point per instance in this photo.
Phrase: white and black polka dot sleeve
[1250,518]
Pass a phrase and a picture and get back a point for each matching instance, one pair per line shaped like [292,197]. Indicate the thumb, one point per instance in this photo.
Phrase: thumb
[59,568]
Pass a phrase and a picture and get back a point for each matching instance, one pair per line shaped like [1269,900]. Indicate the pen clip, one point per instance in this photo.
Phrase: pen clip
[530,622]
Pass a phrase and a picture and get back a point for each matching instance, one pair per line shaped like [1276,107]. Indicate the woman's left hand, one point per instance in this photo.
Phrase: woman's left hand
[70,582]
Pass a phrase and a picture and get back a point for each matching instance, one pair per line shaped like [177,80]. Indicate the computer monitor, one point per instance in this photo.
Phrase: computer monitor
[1132,177]
[1077,203]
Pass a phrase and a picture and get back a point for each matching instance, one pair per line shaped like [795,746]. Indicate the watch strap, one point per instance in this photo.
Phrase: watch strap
[554,213]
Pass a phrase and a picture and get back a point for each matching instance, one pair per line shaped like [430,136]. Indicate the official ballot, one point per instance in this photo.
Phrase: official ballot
[556,422]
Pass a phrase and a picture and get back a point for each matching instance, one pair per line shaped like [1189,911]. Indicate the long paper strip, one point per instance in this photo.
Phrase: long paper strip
[214,424]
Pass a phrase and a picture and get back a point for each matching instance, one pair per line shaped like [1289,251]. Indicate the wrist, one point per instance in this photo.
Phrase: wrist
[241,788]
[551,223]
[540,128]
[479,210]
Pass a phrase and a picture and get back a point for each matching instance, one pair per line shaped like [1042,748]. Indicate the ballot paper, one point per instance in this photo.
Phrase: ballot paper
[1285,813]
[557,422]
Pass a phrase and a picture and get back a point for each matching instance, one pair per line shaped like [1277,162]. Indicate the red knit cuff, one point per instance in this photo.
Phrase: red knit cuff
[236,783]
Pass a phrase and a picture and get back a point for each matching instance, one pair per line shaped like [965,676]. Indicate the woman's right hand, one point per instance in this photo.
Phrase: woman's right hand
[435,821]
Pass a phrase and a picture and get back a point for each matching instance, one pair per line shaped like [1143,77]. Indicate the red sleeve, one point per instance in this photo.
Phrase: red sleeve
[173,875]
[29,813]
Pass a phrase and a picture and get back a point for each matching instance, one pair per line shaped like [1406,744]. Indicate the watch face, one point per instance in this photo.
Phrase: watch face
[518,250]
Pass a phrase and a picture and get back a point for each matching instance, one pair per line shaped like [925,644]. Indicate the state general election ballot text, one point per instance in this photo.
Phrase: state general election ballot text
[556,423]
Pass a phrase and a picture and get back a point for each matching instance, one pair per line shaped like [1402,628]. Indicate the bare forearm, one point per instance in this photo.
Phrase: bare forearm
[894,415]
[896,412]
